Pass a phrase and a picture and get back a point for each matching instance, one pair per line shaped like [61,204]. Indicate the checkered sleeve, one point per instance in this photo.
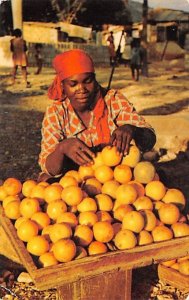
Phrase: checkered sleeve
[51,135]
[125,113]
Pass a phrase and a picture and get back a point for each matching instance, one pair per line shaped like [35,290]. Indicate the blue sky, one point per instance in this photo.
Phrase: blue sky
[173,4]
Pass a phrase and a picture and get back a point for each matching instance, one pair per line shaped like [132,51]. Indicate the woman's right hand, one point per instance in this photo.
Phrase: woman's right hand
[77,151]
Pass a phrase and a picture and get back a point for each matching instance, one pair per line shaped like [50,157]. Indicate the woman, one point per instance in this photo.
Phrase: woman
[84,117]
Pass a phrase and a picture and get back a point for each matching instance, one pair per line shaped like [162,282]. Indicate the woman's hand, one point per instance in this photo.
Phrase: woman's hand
[77,151]
[121,138]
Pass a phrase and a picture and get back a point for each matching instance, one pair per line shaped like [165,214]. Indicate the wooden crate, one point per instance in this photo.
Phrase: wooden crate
[92,276]
[173,277]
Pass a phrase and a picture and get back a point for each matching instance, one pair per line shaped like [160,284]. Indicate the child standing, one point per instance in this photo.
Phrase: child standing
[18,48]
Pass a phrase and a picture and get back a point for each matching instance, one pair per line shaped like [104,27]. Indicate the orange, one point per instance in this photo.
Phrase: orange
[125,239]
[83,235]
[117,227]
[92,186]
[27,229]
[88,218]
[72,195]
[122,173]
[104,216]
[27,187]
[103,231]
[12,186]
[97,161]
[68,218]
[68,181]
[169,213]
[46,231]
[110,188]
[19,221]
[110,156]
[41,218]
[134,221]
[144,238]
[175,196]
[3,193]
[150,219]
[37,245]
[29,206]
[104,202]
[73,173]
[143,202]
[126,194]
[12,210]
[168,263]
[180,229]
[38,192]
[64,250]
[43,183]
[85,172]
[103,173]
[121,211]
[157,205]
[144,172]
[175,266]
[80,252]
[162,233]
[53,192]
[183,267]
[60,231]
[56,208]
[10,199]
[87,204]
[133,157]
[47,259]
[97,247]
[139,187]
[155,190]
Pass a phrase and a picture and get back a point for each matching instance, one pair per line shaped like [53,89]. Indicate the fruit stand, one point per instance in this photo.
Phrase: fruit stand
[109,274]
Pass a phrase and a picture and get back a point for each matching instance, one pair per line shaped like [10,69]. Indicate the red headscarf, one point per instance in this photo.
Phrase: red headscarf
[67,64]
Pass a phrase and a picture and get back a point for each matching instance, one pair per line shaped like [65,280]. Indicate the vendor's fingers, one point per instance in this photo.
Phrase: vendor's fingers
[85,156]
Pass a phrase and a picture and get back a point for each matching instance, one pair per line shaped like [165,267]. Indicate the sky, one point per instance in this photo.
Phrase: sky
[173,4]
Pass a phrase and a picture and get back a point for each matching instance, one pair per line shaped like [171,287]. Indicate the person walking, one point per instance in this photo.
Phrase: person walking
[38,57]
[84,117]
[111,47]
[18,48]
[135,60]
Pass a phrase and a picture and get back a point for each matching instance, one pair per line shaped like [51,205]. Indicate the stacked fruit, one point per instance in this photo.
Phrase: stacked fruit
[113,204]
[180,264]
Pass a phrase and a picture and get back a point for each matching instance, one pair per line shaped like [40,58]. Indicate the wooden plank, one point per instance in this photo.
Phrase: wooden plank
[56,276]
[109,285]
[173,277]
[90,266]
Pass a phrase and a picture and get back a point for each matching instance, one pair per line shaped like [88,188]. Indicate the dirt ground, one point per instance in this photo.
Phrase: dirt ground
[162,98]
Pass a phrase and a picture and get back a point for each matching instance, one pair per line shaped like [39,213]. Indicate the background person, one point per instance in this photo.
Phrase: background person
[135,60]
[18,48]
[39,57]
[84,117]
[111,47]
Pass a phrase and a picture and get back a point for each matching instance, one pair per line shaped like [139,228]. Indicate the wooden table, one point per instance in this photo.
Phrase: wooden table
[107,276]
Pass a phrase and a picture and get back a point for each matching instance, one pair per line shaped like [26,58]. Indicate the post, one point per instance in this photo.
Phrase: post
[17,13]
[144,38]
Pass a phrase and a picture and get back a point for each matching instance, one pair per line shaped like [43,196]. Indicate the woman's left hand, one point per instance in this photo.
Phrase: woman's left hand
[121,138]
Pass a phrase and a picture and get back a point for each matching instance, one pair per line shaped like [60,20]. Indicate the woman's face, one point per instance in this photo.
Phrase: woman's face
[80,89]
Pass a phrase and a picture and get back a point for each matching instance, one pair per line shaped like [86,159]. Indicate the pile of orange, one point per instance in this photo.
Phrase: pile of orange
[180,264]
[117,202]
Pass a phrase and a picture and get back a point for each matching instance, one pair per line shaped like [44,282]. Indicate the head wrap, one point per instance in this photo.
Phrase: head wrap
[67,64]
